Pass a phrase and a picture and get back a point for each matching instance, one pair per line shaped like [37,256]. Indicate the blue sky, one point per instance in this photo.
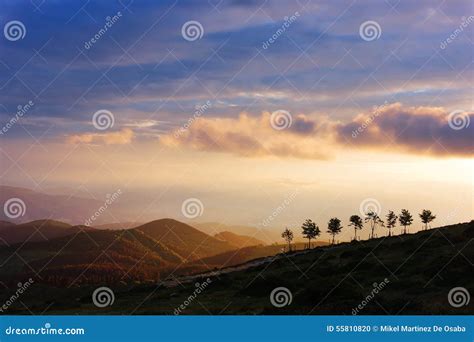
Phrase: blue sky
[142,68]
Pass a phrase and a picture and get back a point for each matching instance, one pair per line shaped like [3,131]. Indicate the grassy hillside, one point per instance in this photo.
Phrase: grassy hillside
[245,254]
[418,269]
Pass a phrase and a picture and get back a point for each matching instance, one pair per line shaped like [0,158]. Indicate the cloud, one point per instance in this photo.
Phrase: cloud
[250,136]
[418,130]
[123,137]
[422,130]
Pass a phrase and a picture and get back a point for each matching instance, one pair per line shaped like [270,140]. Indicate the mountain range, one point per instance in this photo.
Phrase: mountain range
[76,206]
[59,253]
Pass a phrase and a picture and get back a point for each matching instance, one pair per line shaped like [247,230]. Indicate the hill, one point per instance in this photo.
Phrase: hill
[58,253]
[89,257]
[245,254]
[418,271]
[5,224]
[183,239]
[40,230]
[118,225]
[238,241]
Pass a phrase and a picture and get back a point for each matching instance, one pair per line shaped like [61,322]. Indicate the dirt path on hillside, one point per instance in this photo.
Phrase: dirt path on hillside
[230,269]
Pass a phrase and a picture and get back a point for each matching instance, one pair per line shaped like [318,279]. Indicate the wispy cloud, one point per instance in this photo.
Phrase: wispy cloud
[122,137]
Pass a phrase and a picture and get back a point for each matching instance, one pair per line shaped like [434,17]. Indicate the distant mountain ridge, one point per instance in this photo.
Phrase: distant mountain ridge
[266,235]
[239,241]
[38,206]
[35,231]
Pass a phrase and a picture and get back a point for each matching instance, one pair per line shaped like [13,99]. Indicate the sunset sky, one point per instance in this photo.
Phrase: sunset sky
[272,103]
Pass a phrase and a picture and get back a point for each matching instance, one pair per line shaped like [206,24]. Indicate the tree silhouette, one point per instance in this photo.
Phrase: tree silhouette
[310,231]
[374,220]
[288,236]
[356,222]
[405,219]
[426,217]
[391,221]
[334,227]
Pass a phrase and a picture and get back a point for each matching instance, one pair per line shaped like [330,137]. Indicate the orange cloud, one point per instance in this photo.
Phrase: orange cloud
[125,136]
[247,136]
[423,130]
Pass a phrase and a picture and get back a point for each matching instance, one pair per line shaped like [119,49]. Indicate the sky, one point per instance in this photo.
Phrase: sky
[252,109]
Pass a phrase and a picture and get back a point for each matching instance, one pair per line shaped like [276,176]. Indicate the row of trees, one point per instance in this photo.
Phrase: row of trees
[311,231]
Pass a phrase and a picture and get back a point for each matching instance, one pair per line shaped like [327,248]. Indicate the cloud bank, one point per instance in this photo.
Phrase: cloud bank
[418,130]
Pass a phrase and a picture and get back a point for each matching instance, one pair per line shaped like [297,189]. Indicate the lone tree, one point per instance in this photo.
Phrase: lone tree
[356,222]
[374,220]
[334,227]
[426,217]
[288,236]
[310,231]
[391,221]
[405,219]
